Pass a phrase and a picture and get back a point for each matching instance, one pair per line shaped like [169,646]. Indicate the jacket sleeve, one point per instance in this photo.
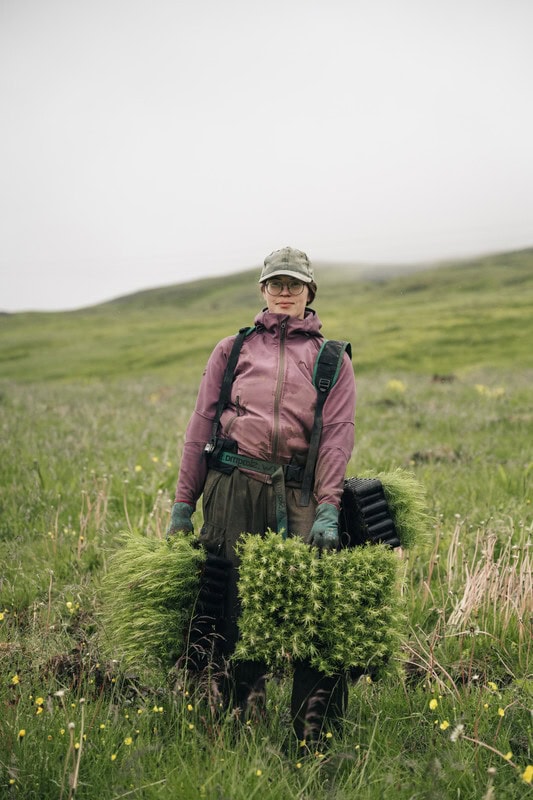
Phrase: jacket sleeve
[193,468]
[337,439]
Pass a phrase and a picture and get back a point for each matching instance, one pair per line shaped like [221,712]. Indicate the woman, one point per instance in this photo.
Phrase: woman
[267,423]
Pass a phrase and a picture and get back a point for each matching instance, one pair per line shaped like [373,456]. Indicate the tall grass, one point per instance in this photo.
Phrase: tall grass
[467,644]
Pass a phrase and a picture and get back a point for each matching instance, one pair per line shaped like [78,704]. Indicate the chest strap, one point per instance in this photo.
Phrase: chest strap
[227,380]
[327,367]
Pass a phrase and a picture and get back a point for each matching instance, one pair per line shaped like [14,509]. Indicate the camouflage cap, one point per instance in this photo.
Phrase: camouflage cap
[288,261]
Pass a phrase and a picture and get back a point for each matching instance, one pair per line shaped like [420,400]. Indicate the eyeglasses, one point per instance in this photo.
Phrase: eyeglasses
[275,287]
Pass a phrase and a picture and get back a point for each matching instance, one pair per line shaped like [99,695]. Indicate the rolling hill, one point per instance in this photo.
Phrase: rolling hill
[448,317]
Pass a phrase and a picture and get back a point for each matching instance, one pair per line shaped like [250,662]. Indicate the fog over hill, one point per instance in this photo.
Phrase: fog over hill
[327,273]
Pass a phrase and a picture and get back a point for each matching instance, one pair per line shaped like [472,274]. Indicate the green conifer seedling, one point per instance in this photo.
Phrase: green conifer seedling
[148,594]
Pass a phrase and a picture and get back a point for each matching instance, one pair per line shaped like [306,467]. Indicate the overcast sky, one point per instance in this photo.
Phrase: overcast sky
[150,142]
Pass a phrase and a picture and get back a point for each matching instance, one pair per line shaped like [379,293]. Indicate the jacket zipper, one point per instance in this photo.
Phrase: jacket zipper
[279,387]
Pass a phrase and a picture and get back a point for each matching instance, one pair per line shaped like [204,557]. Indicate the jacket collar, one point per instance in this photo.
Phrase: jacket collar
[309,326]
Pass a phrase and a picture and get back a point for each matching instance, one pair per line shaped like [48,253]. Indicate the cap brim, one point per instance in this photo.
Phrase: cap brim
[297,275]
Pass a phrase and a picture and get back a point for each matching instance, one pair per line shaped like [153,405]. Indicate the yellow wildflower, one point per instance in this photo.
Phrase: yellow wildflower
[15,680]
[113,757]
[189,707]
[40,710]
[22,733]
[138,468]
[259,772]
[492,686]
[39,701]
[329,735]
[433,704]
[508,756]
[1,617]
[444,724]
[395,385]
[527,774]
[501,712]
[128,740]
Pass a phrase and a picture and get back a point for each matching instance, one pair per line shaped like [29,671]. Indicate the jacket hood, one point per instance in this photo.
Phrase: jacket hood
[310,325]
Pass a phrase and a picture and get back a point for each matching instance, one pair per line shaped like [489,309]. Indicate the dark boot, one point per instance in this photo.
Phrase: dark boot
[318,702]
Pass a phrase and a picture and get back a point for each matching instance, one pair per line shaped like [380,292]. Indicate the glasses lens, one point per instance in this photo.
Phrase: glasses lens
[275,287]
[296,287]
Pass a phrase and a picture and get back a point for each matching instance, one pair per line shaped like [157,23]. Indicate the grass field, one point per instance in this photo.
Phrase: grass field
[93,406]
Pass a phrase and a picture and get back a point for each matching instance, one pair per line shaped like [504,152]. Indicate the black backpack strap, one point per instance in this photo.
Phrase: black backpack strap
[227,380]
[327,367]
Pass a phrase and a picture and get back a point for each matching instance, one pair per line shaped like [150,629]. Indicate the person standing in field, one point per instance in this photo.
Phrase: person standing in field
[266,427]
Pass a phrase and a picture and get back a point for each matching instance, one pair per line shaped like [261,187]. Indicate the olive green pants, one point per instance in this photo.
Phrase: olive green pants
[237,503]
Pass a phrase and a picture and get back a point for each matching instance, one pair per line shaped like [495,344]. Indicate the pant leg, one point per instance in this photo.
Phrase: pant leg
[318,701]
[235,504]
[300,518]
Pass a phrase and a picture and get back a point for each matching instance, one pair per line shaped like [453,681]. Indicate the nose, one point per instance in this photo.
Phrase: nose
[285,288]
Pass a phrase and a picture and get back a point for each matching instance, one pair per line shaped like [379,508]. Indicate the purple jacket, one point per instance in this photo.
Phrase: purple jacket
[271,411]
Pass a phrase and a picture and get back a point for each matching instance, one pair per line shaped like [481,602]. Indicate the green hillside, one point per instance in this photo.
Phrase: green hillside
[448,318]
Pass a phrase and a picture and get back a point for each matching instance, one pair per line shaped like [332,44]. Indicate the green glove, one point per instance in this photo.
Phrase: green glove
[180,519]
[325,530]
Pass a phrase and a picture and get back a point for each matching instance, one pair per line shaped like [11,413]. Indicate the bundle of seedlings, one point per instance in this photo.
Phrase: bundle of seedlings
[149,590]
[406,498]
[339,610]
[387,507]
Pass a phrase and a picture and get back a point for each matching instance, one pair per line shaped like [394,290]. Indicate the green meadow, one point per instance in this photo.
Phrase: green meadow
[93,409]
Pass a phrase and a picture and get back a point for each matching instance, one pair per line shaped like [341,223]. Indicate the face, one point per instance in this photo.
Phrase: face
[292,305]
